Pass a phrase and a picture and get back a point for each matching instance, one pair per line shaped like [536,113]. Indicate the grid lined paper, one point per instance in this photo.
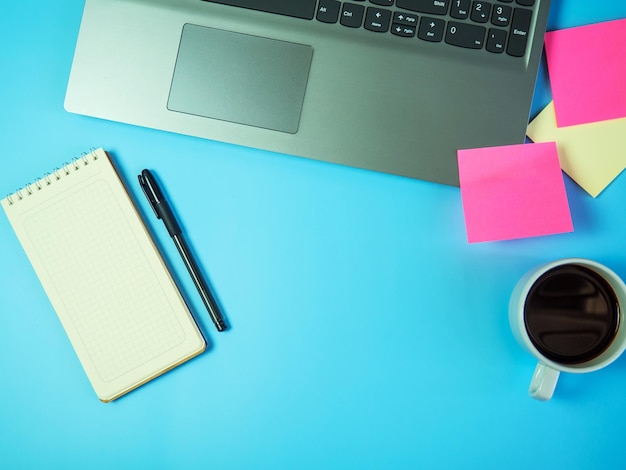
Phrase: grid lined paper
[99,269]
[103,275]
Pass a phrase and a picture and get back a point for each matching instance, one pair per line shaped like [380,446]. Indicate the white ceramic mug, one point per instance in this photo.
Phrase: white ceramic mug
[547,371]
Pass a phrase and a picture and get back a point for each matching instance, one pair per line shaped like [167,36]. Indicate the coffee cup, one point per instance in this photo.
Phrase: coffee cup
[569,314]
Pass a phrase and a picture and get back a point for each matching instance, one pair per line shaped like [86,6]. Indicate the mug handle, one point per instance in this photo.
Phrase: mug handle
[543,382]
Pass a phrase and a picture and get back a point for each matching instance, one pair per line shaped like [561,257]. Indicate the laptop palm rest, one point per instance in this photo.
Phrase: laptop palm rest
[240,78]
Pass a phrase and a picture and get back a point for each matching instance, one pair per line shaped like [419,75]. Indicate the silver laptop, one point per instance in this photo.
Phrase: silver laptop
[396,86]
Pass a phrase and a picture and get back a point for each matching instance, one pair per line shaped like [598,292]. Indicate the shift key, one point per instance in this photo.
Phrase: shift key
[432,7]
[520,26]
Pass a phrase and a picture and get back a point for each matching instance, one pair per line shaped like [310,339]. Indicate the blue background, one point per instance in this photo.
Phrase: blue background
[366,332]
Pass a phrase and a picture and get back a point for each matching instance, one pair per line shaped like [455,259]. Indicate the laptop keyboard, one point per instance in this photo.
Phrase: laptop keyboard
[498,26]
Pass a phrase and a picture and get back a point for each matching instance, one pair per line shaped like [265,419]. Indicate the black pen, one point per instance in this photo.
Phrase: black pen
[163,211]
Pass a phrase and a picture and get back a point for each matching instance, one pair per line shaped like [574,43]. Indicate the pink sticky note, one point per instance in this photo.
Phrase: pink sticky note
[515,191]
[587,67]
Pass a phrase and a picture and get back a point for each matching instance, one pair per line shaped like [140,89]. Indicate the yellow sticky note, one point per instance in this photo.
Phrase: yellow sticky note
[592,154]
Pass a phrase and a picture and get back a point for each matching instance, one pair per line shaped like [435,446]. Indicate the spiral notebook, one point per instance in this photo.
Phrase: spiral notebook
[103,274]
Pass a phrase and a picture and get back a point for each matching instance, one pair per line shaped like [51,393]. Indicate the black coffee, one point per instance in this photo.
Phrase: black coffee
[571,314]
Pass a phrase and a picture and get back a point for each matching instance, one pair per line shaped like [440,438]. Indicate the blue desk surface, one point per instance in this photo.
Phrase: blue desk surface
[366,332]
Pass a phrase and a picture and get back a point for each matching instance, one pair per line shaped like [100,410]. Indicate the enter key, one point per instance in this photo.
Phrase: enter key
[518,37]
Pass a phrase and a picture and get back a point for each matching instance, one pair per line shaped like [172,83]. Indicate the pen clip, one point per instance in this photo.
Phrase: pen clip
[150,190]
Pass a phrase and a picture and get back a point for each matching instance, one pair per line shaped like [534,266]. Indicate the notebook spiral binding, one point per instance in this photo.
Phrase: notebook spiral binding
[49,178]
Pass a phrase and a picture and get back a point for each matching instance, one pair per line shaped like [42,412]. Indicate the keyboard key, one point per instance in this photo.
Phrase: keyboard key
[526,3]
[496,40]
[501,15]
[518,37]
[407,19]
[304,9]
[328,11]
[385,3]
[460,9]
[466,35]
[481,12]
[377,19]
[431,29]
[403,30]
[352,15]
[432,7]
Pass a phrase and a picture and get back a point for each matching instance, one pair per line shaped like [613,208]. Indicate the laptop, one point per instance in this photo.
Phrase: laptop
[396,86]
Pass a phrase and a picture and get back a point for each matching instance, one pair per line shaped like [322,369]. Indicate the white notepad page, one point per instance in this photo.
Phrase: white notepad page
[105,278]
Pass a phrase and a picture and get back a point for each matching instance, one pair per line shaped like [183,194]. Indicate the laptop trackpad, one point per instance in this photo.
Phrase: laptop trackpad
[240,78]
